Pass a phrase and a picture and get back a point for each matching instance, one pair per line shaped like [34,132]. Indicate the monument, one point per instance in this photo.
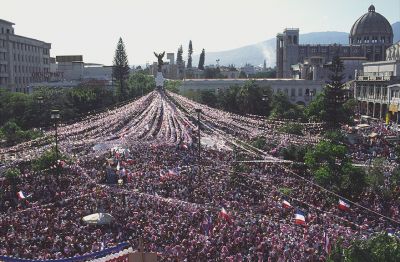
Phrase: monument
[159,77]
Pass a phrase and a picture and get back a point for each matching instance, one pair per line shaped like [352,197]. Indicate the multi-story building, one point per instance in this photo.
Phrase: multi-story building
[369,37]
[23,60]
[377,86]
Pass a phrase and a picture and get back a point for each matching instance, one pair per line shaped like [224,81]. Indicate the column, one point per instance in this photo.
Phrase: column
[373,112]
[380,111]
[367,108]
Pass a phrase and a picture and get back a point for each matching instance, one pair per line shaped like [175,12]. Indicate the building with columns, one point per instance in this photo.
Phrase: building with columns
[377,86]
[23,60]
[369,37]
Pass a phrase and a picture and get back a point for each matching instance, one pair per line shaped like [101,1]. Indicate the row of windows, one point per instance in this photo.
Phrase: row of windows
[299,91]
[7,30]
[30,59]
[31,48]
[28,69]
[23,80]
[3,81]
[372,39]
[3,68]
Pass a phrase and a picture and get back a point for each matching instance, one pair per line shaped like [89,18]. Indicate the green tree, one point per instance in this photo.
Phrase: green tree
[140,84]
[292,128]
[208,97]
[381,247]
[249,99]
[173,85]
[190,52]
[242,74]
[179,56]
[46,160]
[13,175]
[121,68]
[335,94]
[283,108]
[332,168]
[202,59]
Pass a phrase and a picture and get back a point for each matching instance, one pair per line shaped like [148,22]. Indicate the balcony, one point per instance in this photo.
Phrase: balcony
[373,78]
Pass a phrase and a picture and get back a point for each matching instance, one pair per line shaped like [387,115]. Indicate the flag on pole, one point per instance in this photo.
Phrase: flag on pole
[343,205]
[299,218]
[223,214]
[21,195]
[286,204]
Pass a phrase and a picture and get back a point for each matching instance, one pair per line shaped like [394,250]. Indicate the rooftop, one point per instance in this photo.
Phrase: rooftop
[6,22]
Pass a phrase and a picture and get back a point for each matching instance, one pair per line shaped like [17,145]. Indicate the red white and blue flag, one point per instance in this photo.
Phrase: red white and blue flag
[21,195]
[299,218]
[286,204]
[343,205]
[223,214]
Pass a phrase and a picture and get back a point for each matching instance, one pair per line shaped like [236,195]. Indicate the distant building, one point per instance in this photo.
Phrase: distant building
[70,71]
[369,37]
[377,86]
[298,91]
[23,60]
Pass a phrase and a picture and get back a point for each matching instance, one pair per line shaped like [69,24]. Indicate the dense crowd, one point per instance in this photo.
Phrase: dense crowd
[184,208]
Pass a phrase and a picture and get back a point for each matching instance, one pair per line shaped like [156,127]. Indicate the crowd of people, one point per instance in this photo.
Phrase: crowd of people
[141,165]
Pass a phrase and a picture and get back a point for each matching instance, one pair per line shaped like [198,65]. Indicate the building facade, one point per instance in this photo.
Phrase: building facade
[23,60]
[369,37]
[377,86]
[298,91]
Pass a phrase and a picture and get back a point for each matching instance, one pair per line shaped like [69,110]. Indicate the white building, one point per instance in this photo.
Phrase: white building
[299,91]
[377,86]
[23,60]
[70,71]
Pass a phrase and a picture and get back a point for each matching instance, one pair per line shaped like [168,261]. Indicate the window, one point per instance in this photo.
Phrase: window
[366,39]
[300,92]
[293,92]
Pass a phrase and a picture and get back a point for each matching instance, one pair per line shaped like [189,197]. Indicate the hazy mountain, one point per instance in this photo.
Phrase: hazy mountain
[255,54]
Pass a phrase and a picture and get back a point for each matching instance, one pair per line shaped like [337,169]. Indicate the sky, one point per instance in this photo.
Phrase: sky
[92,27]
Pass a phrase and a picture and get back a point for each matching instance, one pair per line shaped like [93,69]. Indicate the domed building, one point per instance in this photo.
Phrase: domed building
[373,31]
[369,37]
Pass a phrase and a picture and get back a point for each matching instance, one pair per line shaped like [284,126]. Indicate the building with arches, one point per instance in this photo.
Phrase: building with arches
[369,37]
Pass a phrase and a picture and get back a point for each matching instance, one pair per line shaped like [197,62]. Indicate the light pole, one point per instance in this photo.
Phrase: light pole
[198,110]
[55,114]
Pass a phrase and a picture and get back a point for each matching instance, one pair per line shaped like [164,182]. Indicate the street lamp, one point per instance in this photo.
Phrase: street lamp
[55,114]
[265,99]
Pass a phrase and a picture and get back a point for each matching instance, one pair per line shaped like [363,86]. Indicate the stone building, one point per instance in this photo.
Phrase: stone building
[369,37]
[377,86]
[23,60]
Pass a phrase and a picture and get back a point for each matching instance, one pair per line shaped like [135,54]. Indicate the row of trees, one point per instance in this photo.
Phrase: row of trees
[19,111]
[179,57]
[251,98]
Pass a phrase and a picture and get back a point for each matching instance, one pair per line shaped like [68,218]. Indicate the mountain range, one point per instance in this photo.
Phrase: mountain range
[256,53]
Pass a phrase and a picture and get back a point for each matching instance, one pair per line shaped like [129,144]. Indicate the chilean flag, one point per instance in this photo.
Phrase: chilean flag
[223,214]
[21,195]
[343,205]
[299,218]
[286,204]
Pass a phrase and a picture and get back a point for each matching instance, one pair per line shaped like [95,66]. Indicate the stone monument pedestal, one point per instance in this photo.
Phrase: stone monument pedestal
[160,80]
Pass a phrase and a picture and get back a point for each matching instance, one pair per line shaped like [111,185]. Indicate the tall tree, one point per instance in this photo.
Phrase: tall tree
[335,94]
[190,52]
[179,58]
[121,68]
[202,59]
